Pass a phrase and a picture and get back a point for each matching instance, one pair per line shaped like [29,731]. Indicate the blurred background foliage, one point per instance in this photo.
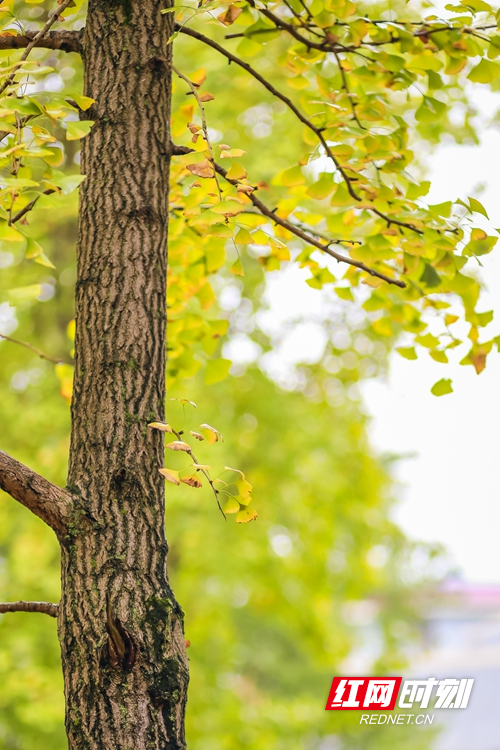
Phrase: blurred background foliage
[322,582]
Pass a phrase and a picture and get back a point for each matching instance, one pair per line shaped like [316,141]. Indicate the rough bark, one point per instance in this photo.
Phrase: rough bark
[64,40]
[47,501]
[121,630]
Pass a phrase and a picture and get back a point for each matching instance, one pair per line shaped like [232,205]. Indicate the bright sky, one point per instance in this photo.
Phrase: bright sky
[450,488]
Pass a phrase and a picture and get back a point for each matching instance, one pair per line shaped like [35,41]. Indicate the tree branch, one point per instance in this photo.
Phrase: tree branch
[46,500]
[45,608]
[311,240]
[65,41]
[38,352]
[203,120]
[39,35]
[300,116]
[297,231]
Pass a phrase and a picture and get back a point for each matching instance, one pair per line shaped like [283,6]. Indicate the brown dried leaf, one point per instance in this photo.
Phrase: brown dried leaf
[206,97]
[192,481]
[201,169]
[197,435]
[230,16]
[179,445]
[479,361]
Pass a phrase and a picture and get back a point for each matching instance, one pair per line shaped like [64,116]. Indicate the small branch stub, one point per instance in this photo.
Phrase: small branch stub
[45,608]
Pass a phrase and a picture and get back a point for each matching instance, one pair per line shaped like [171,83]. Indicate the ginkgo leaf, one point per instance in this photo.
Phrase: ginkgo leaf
[485,72]
[442,387]
[77,129]
[163,426]
[243,237]
[197,435]
[236,172]
[244,489]
[184,401]
[24,294]
[217,370]
[202,169]
[178,445]
[231,506]
[192,480]
[206,97]
[231,153]
[408,352]
[211,434]
[170,475]
[238,471]
[237,268]
[84,102]
[230,15]
[246,514]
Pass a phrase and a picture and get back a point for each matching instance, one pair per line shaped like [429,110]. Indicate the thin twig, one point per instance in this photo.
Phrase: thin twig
[303,119]
[205,473]
[43,31]
[45,608]
[345,85]
[29,206]
[297,231]
[203,123]
[38,352]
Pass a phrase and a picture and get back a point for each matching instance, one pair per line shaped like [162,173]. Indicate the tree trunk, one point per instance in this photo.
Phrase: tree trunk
[121,630]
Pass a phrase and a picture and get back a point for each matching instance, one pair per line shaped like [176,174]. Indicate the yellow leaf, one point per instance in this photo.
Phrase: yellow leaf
[246,514]
[170,475]
[237,268]
[162,426]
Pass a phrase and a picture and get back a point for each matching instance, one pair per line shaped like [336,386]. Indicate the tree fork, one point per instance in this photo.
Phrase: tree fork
[121,630]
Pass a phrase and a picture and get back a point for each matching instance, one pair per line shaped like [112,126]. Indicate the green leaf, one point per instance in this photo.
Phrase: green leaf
[217,370]
[430,277]
[408,352]
[76,129]
[237,268]
[243,237]
[486,72]
[442,387]
[424,62]
[438,355]
[23,294]
[478,207]
[430,110]
[68,183]
[232,506]
[344,292]
[290,177]
[84,102]
[246,514]
[429,341]
[322,188]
